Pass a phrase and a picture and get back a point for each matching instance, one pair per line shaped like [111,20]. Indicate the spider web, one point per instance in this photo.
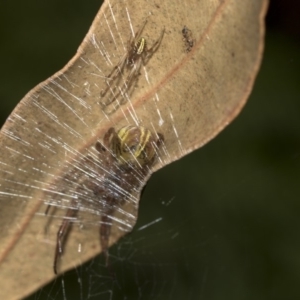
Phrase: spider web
[197,235]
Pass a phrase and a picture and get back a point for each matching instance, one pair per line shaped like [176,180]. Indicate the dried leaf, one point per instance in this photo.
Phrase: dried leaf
[193,85]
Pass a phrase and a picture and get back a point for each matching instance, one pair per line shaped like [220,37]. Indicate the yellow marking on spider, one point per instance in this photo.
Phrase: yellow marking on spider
[142,141]
[123,133]
[140,46]
[126,134]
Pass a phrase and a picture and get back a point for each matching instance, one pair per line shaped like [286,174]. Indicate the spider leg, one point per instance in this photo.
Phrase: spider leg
[160,140]
[138,34]
[62,234]
[112,96]
[106,146]
[118,90]
[134,71]
[129,80]
[105,229]
[49,219]
[154,47]
[47,209]
[110,135]
[114,74]
[122,91]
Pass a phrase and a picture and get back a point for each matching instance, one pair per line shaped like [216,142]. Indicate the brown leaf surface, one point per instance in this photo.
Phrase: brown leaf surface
[188,97]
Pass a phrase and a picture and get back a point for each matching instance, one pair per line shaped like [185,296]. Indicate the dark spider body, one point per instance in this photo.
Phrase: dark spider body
[127,157]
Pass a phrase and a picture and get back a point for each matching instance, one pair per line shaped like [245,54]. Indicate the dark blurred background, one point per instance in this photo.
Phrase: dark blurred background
[230,226]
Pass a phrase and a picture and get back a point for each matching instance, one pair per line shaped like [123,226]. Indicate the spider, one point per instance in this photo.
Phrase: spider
[188,39]
[127,156]
[117,83]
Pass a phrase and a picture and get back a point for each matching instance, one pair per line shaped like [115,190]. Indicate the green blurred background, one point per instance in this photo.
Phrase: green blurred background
[229,213]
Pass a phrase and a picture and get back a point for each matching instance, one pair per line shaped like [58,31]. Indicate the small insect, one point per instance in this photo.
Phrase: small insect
[188,39]
[125,158]
[118,83]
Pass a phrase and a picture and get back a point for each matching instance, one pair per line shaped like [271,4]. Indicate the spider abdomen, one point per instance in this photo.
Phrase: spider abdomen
[140,46]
